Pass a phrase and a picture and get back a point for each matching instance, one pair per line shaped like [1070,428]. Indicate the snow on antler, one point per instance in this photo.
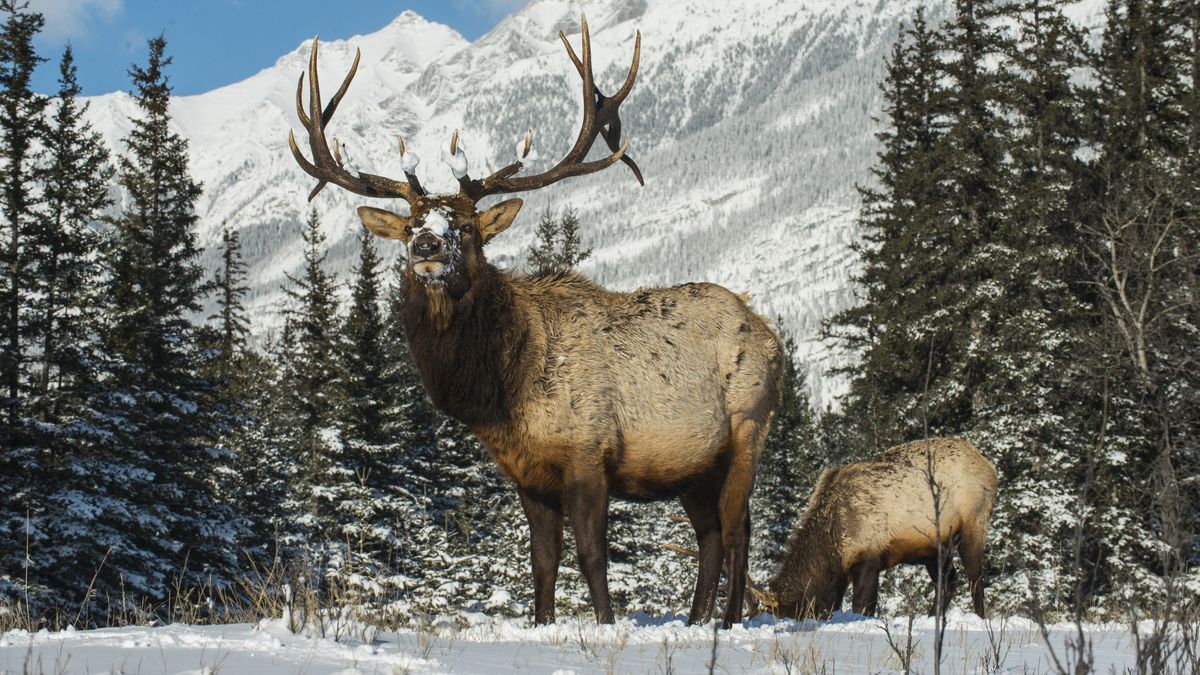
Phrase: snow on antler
[456,159]
[408,159]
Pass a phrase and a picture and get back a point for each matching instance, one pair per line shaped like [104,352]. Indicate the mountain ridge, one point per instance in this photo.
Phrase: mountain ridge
[752,129]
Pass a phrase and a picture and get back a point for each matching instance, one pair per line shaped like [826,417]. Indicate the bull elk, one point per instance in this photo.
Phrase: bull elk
[579,393]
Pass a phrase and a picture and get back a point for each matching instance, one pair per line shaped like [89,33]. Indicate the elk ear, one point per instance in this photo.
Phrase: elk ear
[385,223]
[497,219]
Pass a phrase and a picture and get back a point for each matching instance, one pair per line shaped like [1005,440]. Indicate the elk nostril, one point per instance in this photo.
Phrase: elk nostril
[427,248]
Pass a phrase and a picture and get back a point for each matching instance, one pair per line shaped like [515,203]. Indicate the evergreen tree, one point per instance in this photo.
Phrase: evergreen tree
[980,317]
[970,253]
[901,220]
[788,469]
[375,511]
[313,392]
[366,391]
[558,248]
[541,256]
[62,322]
[232,326]
[167,519]
[22,119]
[571,251]
[1140,240]
[245,381]
[1033,414]
[63,270]
[971,309]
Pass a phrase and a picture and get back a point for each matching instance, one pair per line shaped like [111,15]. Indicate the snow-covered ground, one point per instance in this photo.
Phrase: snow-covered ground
[848,644]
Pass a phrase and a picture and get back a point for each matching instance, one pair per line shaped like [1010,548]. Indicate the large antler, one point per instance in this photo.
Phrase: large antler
[600,118]
[327,168]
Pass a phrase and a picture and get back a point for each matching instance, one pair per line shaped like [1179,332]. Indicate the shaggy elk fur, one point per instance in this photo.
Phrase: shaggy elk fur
[868,516]
[579,393]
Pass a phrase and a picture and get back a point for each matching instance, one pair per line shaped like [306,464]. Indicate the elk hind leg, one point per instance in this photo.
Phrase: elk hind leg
[701,508]
[747,441]
[944,585]
[545,550]
[970,550]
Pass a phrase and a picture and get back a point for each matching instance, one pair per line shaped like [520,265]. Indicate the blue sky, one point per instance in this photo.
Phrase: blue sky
[218,42]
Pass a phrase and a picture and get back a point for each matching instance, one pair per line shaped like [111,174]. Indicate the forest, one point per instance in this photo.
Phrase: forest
[1029,271]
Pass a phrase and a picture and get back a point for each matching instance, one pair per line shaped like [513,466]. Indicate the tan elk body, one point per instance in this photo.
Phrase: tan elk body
[579,393]
[649,388]
[869,516]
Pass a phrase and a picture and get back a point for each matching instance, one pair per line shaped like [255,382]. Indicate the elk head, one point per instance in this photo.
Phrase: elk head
[445,234]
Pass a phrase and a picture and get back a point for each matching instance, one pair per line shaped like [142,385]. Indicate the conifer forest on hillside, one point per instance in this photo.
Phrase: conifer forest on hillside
[1027,278]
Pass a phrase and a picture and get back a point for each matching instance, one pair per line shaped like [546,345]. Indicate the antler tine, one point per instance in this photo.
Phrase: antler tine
[589,90]
[633,69]
[300,102]
[410,169]
[600,118]
[327,168]
[316,132]
[337,97]
[612,132]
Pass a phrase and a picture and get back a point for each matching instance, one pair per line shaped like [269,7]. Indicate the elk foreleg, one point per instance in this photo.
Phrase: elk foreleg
[587,507]
[702,511]
[866,587]
[545,550]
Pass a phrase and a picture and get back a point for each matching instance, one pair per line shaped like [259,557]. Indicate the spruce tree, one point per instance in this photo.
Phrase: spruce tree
[171,522]
[62,325]
[232,325]
[313,391]
[244,381]
[374,449]
[363,353]
[571,251]
[1140,239]
[788,468]
[75,189]
[541,256]
[557,248]
[22,120]
[971,310]
[1033,415]
[901,220]
[966,250]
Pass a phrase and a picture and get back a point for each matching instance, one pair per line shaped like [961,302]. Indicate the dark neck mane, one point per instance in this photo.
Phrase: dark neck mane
[812,578]
[464,354]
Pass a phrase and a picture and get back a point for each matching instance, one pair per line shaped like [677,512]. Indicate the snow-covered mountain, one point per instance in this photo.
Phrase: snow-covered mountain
[751,121]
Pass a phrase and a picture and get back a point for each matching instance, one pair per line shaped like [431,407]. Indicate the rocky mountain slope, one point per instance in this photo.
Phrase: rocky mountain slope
[752,124]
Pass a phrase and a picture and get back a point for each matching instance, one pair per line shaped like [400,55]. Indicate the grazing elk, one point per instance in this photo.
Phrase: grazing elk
[579,393]
[869,516]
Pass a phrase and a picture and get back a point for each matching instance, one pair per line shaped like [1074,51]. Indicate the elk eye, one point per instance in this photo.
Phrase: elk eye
[408,230]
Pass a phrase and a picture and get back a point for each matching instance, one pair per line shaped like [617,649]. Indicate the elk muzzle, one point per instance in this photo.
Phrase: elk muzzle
[428,252]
